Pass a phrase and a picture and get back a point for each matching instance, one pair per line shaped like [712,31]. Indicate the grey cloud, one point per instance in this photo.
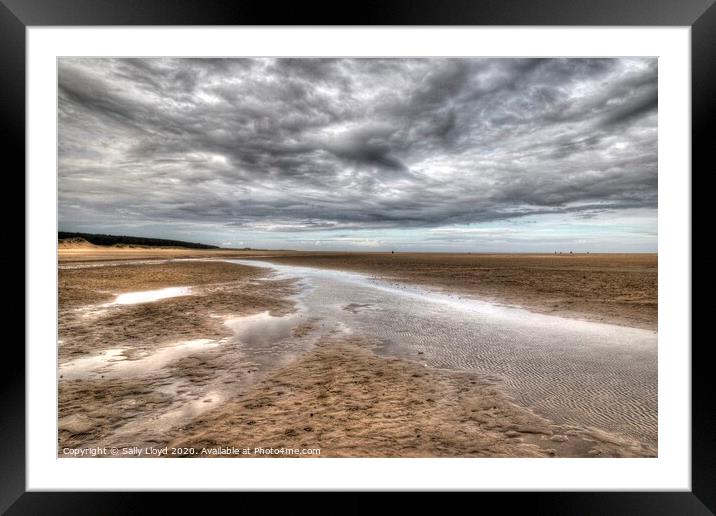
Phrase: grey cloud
[646,103]
[309,144]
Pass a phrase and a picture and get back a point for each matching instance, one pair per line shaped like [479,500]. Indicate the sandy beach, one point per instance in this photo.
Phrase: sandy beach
[614,288]
[348,402]
[220,355]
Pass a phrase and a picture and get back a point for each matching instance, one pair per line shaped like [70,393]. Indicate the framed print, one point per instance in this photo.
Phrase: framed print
[429,247]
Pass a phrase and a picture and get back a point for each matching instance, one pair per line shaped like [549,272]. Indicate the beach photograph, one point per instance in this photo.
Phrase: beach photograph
[357,257]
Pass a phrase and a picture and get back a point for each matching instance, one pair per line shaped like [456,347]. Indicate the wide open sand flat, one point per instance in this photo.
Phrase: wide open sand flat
[613,288]
[362,404]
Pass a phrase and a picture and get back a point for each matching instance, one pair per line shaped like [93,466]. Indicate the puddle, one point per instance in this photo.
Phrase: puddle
[262,328]
[81,368]
[112,363]
[148,296]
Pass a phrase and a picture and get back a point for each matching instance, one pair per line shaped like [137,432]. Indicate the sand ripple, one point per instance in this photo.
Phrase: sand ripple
[574,372]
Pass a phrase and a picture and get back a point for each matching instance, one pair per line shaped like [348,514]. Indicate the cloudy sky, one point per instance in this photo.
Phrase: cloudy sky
[363,154]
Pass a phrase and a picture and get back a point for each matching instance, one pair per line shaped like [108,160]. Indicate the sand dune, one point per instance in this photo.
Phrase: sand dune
[75,243]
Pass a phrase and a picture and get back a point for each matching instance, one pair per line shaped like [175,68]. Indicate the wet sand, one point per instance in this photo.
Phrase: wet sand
[137,369]
[152,382]
[349,402]
[88,321]
[572,371]
[612,288]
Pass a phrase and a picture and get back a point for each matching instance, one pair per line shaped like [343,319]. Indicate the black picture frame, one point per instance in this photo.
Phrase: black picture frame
[700,15]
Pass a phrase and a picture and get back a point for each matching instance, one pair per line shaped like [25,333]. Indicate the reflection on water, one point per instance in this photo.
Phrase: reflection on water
[267,341]
[573,371]
[92,366]
[147,296]
[197,375]
[112,363]
[263,328]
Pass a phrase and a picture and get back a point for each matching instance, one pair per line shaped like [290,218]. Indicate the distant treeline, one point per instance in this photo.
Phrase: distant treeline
[130,240]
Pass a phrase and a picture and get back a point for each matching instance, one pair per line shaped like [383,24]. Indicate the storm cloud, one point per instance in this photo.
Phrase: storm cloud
[220,147]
